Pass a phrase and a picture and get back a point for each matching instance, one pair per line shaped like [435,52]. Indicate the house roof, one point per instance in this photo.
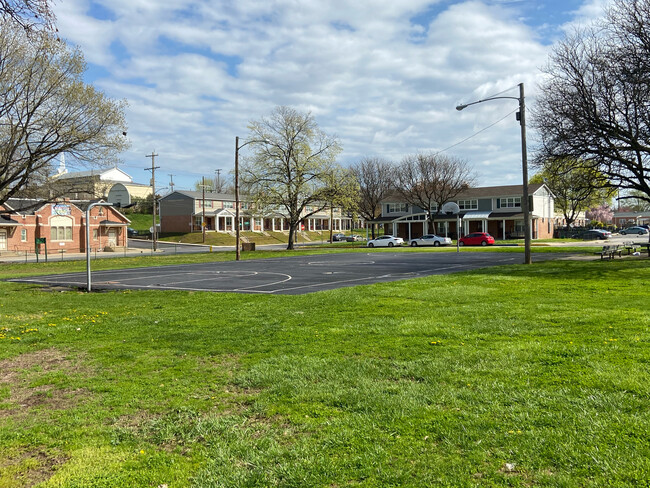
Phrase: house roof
[198,195]
[484,192]
[111,174]
[6,221]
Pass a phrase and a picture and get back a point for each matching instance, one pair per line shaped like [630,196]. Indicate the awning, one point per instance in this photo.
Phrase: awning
[110,223]
[7,222]
[477,215]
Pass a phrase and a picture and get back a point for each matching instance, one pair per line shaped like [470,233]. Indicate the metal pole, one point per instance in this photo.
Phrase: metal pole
[96,204]
[203,209]
[237,251]
[524,170]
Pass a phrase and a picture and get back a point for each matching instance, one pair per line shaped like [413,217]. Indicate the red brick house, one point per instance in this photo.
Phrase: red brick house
[62,224]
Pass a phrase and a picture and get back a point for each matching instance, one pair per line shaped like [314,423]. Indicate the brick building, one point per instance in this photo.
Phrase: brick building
[62,224]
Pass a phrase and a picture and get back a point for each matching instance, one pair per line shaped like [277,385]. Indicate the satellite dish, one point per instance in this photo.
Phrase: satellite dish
[450,208]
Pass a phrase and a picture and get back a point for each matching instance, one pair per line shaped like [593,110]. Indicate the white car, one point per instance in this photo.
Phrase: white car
[386,241]
[431,240]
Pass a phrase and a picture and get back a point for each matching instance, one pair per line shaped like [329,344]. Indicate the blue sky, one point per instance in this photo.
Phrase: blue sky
[383,76]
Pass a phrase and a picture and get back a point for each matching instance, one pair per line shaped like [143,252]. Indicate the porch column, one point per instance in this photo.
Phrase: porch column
[503,227]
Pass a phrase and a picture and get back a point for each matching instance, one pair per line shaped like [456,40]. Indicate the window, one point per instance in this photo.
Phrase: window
[228,205]
[61,229]
[468,204]
[433,208]
[95,234]
[510,202]
[23,235]
[397,207]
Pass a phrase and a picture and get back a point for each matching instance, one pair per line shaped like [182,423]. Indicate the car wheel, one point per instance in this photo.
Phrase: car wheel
[414,244]
[461,243]
[390,244]
[370,244]
[483,243]
[640,233]
[436,244]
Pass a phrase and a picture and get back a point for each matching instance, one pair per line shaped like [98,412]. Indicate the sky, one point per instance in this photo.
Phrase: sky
[383,76]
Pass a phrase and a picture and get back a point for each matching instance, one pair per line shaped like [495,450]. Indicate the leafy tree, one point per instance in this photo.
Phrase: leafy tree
[576,188]
[291,166]
[429,181]
[28,14]
[594,108]
[342,191]
[375,178]
[46,109]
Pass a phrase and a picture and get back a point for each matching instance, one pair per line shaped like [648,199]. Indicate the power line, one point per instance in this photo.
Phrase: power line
[480,131]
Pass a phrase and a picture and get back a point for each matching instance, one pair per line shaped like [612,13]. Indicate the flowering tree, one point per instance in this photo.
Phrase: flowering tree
[600,214]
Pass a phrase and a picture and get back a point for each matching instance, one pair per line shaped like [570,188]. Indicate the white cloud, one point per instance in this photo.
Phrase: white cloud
[195,76]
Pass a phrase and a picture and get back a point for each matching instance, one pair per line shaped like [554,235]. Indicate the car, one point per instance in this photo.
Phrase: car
[476,239]
[634,230]
[431,240]
[338,237]
[354,238]
[593,234]
[385,241]
[131,232]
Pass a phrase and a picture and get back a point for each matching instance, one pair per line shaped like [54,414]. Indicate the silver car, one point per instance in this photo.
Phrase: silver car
[431,240]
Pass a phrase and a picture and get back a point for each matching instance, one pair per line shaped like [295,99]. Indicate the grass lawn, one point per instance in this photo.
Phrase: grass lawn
[510,376]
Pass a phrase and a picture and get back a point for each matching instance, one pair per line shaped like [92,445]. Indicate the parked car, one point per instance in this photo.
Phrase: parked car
[386,241]
[476,239]
[431,240]
[634,230]
[131,232]
[593,234]
[338,237]
[354,238]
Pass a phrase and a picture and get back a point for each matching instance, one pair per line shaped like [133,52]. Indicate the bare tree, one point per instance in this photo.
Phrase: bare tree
[28,14]
[594,107]
[429,181]
[375,177]
[46,109]
[290,169]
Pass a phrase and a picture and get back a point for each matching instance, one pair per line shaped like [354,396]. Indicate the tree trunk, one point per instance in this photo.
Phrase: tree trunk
[292,234]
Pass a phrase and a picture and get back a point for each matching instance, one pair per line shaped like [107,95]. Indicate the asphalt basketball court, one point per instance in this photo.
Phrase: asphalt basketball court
[288,276]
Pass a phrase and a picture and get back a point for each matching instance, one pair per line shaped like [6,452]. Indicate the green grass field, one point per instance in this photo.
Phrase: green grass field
[511,376]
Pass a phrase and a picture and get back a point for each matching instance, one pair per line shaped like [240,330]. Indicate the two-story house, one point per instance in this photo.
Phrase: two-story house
[494,209]
[186,211]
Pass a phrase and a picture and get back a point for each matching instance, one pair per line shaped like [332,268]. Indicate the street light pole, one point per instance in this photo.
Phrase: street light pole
[237,148]
[237,250]
[521,116]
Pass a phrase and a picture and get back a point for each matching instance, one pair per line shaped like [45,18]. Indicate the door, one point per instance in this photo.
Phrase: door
[3,240]
[112,237]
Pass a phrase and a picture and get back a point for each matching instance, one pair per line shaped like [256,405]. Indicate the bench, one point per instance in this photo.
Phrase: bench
[610,252]
[631,247]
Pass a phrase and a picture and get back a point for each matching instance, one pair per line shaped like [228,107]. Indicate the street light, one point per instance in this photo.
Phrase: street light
[95,204]
[237,148]
[521,116]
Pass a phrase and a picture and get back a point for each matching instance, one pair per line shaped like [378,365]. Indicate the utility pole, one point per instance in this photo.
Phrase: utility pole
[203,208]
[217,183]
[153,190]
[171,182]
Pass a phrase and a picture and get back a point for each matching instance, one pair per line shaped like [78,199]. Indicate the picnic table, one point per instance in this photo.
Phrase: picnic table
[645,245]
[610,251]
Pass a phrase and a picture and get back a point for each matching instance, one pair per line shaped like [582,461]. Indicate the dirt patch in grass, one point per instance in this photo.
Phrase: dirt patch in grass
[20,372]
[31,468]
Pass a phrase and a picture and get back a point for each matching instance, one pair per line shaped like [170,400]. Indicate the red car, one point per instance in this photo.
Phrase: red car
[476,239]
